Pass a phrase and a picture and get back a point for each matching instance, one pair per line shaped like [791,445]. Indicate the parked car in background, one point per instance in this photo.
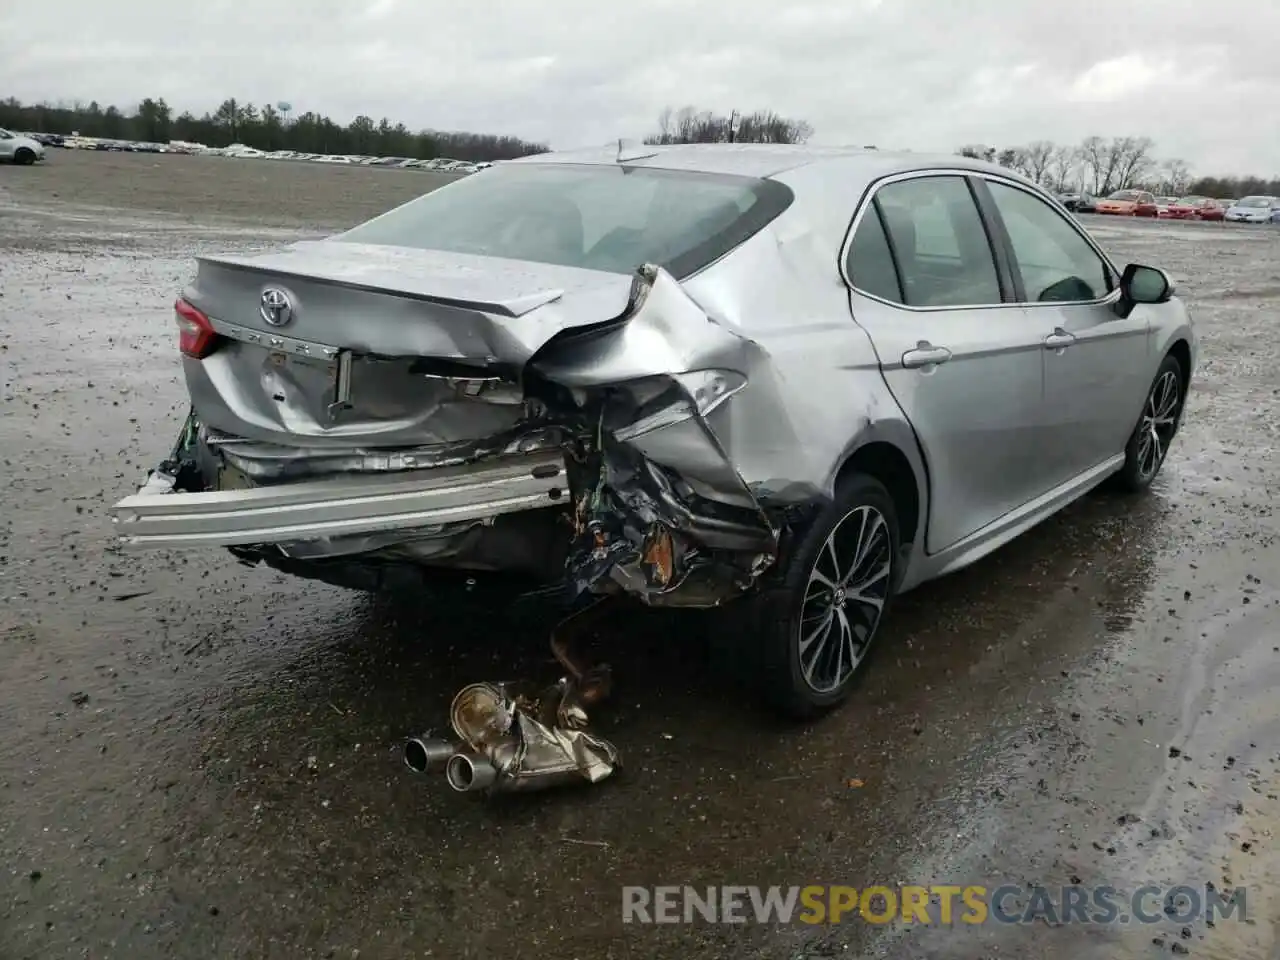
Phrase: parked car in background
[1163,204]
[1129,203]
[1256,209]
[1212,210]
[1079,201]
[589,371]
[1195,208]
[15,148]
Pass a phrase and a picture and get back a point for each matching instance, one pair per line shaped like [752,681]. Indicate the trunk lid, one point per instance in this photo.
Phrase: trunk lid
[380,346]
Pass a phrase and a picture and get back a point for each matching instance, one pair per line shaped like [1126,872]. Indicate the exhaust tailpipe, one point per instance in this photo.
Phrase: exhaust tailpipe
[503,746]
[466,772]
[428,754]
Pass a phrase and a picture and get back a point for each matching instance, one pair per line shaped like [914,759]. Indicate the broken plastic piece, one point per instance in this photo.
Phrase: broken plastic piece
[160,480]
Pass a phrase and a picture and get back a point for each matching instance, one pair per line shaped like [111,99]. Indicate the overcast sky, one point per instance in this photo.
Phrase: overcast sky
[1201,78]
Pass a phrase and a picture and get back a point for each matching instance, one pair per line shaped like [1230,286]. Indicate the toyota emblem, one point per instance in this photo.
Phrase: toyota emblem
[276,307]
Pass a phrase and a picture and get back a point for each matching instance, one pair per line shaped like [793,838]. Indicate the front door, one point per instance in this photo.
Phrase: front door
[1092,354]
[964,365]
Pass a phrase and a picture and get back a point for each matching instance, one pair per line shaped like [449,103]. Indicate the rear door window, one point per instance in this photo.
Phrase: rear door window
[870,266]
[943,255]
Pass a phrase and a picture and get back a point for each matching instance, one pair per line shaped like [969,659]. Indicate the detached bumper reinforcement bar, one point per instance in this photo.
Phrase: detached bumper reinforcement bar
[347,505]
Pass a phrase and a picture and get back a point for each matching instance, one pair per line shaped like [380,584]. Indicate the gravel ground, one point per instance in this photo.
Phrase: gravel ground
[203,760]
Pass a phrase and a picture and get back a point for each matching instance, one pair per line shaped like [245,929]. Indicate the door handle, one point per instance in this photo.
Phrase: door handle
[1059,340]
[925,355]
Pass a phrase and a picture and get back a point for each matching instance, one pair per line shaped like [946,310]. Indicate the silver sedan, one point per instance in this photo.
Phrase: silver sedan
[785,381]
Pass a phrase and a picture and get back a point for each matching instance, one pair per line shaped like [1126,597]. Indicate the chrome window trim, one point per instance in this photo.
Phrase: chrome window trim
[864,204]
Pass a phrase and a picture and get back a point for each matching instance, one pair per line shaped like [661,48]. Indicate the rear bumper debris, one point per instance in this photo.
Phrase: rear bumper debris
[339,506]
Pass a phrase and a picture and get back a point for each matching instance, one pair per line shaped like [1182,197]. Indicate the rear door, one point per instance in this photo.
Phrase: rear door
[962,360]
[1096,363]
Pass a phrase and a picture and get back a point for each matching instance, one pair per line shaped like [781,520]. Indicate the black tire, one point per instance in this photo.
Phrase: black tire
[772,635]
[1142,459]
[25,157]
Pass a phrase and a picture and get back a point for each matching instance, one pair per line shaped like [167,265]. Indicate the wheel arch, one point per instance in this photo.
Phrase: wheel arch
[894,460]
[1180,350]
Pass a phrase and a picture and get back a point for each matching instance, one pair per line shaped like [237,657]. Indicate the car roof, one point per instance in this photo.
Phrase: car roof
[757,159]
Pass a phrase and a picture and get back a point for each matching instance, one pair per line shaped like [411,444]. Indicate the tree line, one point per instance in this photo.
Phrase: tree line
[1096,164]
[692,125]
[265,128]
[1102,166]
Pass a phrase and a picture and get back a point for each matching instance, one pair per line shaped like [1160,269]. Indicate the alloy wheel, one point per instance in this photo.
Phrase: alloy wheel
[844,598]
[1158,424]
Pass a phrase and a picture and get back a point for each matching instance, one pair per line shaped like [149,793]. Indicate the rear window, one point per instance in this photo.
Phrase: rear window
[610,218]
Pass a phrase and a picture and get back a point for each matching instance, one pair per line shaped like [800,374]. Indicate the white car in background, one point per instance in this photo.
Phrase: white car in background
[19,149]
[1255,209]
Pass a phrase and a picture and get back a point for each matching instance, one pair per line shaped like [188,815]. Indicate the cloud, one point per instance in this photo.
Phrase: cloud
[1119,78]
[916,74]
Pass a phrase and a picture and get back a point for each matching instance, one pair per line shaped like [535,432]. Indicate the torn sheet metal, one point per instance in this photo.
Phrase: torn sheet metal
[276,463]
[510,741]
[639,528]
[660,510]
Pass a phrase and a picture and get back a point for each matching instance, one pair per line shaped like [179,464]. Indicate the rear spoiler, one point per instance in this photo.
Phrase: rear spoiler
[510,307]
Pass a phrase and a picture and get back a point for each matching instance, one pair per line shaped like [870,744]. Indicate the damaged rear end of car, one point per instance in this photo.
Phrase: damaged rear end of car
[432,392]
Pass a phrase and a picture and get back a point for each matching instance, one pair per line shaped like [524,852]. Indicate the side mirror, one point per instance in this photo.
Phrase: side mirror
[1139,284]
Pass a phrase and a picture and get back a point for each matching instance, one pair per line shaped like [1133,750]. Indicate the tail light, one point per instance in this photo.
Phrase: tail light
[196,336]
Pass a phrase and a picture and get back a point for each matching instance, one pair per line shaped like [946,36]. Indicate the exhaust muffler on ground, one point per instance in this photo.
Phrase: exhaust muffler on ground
[511,742]
[427,754]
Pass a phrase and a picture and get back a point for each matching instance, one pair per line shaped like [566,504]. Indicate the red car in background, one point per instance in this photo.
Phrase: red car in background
[1129,203]
[1213,210]
[1196,208]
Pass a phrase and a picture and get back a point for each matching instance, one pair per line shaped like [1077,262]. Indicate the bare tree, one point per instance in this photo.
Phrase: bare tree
[1099,162]
[1178,176]
[690,125]
[664,122]
[1010,157]
[1064,167]
[1037,158]
[1134,160]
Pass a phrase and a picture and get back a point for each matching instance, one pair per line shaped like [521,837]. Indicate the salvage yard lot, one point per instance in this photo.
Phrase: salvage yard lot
[203,760]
